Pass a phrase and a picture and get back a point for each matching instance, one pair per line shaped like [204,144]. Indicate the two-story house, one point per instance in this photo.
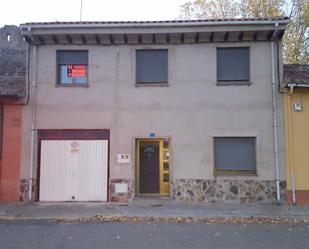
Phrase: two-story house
[181,109]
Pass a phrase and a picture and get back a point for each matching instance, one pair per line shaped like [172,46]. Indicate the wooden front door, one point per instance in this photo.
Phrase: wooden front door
[149,163]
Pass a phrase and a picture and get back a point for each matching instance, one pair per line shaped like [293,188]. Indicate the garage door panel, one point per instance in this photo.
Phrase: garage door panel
[73,170]
[71,176]
[92,180]
[52,173]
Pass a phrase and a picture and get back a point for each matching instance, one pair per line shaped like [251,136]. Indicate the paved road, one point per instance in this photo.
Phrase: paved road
[48,235]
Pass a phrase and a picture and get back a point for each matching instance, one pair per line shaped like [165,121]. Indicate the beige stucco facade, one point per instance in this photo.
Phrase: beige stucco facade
[191,110]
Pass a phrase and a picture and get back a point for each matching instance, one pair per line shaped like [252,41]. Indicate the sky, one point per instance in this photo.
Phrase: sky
[21,11]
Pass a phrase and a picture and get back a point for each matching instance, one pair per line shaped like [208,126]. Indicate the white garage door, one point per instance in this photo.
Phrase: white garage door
[73,170]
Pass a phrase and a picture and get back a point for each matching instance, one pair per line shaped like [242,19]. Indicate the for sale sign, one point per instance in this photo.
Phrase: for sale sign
[75,71]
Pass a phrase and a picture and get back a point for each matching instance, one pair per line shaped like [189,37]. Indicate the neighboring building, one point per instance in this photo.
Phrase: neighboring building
[296,78]
[12,97]
[181,109]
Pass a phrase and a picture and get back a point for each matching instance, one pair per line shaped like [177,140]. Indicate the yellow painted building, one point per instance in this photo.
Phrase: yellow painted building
[296,108]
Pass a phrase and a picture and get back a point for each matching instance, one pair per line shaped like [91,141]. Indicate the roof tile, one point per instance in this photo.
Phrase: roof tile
[278,18]
[296,73]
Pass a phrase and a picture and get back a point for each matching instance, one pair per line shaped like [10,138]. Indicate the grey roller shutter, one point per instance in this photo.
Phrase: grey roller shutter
[152,66]
[233,64]
[235,153]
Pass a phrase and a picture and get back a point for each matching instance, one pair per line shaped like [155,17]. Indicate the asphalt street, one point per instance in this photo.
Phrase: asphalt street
[48,235]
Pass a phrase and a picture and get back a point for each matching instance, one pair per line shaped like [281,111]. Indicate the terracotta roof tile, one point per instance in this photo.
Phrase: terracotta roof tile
[279,18]
[296,73]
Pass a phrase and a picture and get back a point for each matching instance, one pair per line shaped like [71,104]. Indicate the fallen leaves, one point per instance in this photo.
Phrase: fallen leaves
[165,219]
[182,219]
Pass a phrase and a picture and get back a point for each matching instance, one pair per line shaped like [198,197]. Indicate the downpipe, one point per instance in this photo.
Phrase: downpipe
[291,150]
[274,113]
[33,123]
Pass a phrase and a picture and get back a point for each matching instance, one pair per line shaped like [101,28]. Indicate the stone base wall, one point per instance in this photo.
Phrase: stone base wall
[223,190]
[122,197]
[192,190]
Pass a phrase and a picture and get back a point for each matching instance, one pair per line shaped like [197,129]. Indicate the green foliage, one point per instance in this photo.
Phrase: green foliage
[296,39]
[261,8]
[209,9]
[232,8]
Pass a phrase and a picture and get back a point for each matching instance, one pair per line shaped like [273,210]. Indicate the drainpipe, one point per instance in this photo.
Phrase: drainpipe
[291,158]
[274,110]
[33,125]
[26,99]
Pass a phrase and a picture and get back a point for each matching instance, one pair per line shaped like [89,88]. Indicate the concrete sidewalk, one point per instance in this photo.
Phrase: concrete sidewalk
[163,209]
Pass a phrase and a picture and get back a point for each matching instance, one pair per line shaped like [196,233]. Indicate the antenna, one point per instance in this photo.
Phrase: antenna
[81,10]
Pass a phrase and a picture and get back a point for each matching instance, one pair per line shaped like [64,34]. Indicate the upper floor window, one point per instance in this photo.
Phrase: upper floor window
[233,65]
[72,67]
[152,66]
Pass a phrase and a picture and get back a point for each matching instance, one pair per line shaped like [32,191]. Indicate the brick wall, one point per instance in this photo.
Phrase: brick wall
[10,163]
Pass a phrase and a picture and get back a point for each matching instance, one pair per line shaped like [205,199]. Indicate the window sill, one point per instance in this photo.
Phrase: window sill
[73,85]
[234,83]
[235,173]
[154,84]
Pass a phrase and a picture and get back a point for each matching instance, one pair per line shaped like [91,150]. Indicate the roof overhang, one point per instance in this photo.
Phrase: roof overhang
[157,32]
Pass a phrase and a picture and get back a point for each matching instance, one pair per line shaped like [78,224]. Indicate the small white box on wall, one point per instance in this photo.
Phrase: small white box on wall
[297,106]
[121,188]
[123,158]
